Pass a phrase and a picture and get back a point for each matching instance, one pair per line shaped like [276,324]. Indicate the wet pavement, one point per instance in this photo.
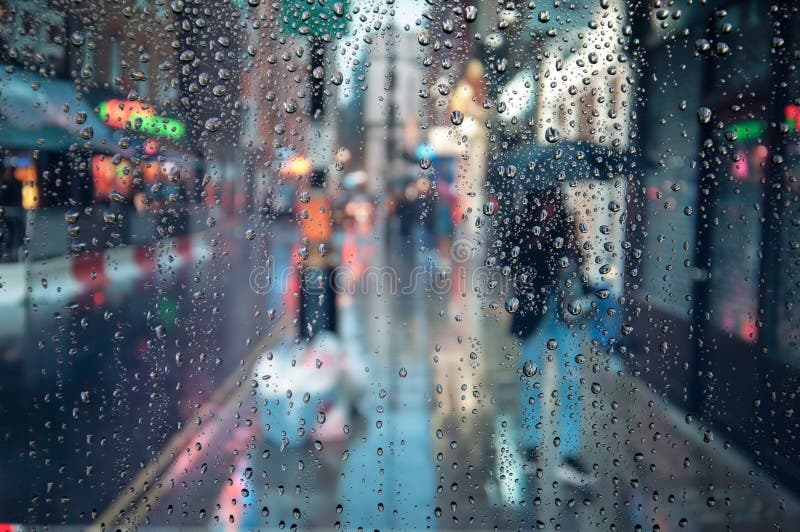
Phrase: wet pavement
[109,378]
[437,442]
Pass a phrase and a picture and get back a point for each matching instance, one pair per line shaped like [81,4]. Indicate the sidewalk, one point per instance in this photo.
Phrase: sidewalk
[441,445]
[651,464]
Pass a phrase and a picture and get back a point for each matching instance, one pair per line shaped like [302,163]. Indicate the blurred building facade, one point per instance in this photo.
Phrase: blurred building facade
[89,109]
[713,249]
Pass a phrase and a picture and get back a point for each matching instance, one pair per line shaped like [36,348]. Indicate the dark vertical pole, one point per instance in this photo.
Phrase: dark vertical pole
[704,243]
[636,204]
[391,141]
[391,147]
[317,61]
[774,376]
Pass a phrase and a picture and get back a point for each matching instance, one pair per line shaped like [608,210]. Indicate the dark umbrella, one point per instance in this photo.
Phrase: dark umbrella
[532,234]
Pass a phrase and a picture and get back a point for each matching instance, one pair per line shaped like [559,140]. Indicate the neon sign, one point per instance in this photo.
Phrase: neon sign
[122,114]
[792,114]
[754,129]
[159,126]
[116,113]
[749,130]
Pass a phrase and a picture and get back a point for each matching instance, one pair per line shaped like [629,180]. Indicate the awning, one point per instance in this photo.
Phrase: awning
[42,113]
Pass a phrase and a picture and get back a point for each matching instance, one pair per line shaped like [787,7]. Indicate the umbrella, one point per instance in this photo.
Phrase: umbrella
[529,167]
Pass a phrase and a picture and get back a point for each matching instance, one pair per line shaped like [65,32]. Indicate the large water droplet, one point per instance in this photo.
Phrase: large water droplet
[704,115]
[512,305]
[529,368]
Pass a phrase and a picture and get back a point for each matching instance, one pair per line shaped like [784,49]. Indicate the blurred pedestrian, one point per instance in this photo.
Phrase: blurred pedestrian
[564,305]
[317,304]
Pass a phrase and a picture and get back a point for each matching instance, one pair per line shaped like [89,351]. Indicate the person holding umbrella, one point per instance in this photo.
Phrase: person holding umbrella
[565,287]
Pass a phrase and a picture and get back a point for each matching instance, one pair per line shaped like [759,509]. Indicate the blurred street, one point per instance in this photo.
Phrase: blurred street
[399,265]
[442,402]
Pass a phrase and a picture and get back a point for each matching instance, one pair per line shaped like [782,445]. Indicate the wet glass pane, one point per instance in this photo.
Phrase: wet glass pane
[399,264]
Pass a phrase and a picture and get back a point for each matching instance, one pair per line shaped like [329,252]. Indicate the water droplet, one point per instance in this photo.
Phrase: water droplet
[551,135]
[512,305]
[574,308]
[529,368]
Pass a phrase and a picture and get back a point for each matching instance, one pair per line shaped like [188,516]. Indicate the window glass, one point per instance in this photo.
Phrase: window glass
[399,265]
